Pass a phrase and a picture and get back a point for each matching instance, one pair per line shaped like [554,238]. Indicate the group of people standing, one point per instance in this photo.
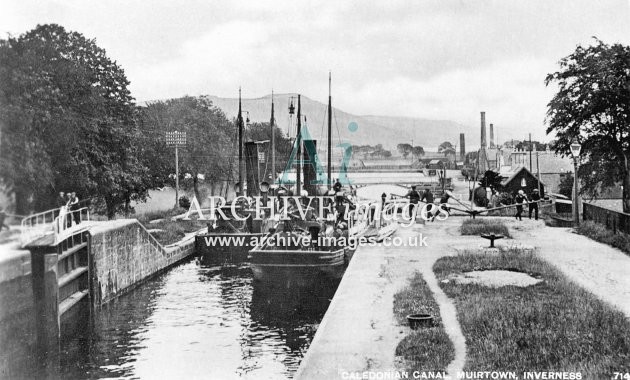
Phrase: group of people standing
[69,202]
[533,202]
[427,196]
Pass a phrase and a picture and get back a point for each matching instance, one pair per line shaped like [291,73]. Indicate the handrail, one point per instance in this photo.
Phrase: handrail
[37,225]
[66,222]
[54,221]
[40,215]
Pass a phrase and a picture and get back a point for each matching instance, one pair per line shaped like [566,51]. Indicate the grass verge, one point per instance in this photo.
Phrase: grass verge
[424,349]
[551,326]
[169,231]
[484,226]
[160,214]
[600,233]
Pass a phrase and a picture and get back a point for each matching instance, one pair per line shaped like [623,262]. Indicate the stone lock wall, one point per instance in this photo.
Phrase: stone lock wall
[124,254]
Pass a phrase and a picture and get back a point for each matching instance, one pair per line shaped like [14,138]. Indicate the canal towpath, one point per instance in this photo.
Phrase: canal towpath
[359,331]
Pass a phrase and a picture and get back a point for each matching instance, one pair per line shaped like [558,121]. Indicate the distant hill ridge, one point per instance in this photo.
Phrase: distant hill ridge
[386,130]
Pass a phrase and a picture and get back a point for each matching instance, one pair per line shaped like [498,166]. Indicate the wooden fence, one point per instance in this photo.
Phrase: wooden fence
[613,220]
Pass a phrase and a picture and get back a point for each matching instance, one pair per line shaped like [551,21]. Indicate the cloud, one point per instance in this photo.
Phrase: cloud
[433,59]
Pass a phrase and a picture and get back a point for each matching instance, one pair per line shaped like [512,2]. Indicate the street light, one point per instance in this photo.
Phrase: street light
[576,147]
[177,140]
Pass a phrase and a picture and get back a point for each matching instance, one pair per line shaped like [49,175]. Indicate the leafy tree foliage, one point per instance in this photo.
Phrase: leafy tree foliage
[404,149]
[209,151]
[446,148]
[491,179]
[592,106]
[417,151]
[67,121]
[262,132]
[369,151]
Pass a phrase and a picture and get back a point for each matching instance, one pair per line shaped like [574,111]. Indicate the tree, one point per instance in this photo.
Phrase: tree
[492,180]
[261,132]
[446,148]
[404,149]
[68,122]
[366,151]
[209,146]
[417,151]
[592,106]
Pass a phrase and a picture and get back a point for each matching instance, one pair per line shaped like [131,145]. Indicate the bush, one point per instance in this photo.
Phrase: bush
[601,234]
[484,226]
[184,202]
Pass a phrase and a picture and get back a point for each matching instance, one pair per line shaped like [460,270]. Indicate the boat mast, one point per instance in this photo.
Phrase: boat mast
[273,143]
[239,121]
[298,139]
[329,134]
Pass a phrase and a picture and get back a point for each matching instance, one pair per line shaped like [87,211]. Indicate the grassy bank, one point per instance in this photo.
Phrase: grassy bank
[600,233]
[169,231]
[551,326]
[484,226]
[425,349]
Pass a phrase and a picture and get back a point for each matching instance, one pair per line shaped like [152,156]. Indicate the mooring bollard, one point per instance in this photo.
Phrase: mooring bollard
[492,238]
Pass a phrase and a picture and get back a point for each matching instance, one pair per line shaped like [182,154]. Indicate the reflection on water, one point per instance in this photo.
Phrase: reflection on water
[201,322]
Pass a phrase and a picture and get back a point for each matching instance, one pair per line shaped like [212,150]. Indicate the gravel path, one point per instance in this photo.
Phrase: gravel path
[599,268]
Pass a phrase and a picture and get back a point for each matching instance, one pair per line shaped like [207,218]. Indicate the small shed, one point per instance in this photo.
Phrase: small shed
[522,179]
[437,163]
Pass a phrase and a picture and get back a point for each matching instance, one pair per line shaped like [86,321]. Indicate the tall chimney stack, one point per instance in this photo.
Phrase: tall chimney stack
[462,147]
[483,130]
[491,135]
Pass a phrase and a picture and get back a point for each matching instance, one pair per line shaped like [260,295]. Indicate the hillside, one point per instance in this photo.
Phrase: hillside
[386,130]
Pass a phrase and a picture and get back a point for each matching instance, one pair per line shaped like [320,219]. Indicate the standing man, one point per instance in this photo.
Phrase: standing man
[74,207]
[519,200]
[533,206]
[427,197]
[414,198]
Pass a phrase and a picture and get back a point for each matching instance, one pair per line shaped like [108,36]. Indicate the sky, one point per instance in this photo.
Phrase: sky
[440,59]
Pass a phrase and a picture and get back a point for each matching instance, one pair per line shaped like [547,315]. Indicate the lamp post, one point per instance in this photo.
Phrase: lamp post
[176,139]
[576,147]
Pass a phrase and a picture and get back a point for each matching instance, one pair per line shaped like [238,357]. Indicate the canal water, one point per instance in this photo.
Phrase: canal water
[198,322]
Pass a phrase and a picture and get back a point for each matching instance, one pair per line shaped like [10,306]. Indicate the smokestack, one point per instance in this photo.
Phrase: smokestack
[491,135]
[483,129]
[462,147]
